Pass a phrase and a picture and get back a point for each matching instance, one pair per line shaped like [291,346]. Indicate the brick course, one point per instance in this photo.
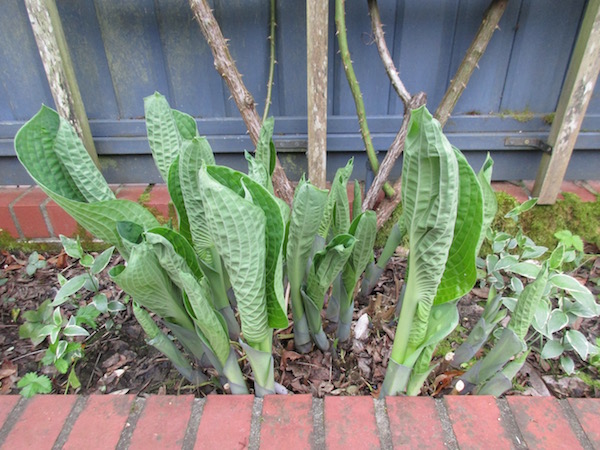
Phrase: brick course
[112,421]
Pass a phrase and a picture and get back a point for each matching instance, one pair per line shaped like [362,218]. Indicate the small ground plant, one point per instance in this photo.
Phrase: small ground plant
[63,328]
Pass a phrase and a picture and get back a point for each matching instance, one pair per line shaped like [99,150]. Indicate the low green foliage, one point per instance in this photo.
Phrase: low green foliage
[32,384]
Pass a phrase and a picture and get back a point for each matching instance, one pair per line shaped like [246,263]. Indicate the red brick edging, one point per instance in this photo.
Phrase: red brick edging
[297,422]
[27,213]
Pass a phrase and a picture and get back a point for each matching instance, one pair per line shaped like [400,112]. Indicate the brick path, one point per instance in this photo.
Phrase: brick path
[27,213]
[297,422]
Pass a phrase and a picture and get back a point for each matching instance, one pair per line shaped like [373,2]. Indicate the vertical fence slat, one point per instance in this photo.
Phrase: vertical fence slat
[574,99]
[317,23]
[48,32]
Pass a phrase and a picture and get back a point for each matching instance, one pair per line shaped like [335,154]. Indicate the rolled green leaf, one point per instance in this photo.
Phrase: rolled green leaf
[336,218]
[490,203]
[262,368]
[460,273]
[307,212]
[529,299]
[429,201]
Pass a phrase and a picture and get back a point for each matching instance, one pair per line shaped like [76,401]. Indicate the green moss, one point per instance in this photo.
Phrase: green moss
[451,342]
[384,232]
[549,118]
[588,379]
[520,116]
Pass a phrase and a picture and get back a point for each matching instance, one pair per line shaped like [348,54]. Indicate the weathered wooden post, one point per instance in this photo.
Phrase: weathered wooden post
[317,23]
[572,105]
[52,45]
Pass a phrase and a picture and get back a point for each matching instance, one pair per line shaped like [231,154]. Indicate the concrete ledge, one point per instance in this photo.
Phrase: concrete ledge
[297,422]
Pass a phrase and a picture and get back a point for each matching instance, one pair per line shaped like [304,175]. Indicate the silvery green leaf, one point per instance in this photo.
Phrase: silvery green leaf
[527,304]
[265,149]
[557,321]
[552,349]
[506,262]
[525,206]
[491,262]
[101,302]
[72,246]
[53,155]
[557,257]
[176,194]
[102,261]
[150,286]
[75,330]
[516,285]
[243,186]
[578,341]
[526,269]
[490,204]
[534,252]
[580,293]
[237,228]
[69,288]
[115,306]
[541,315]
[429,199]
[567,364]
[61,347]
[186,125]
[163,134]
[337,213]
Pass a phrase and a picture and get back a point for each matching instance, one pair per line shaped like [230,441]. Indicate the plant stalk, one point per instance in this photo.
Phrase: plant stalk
[489,24]
[272,25]
[340,22]
[226,67]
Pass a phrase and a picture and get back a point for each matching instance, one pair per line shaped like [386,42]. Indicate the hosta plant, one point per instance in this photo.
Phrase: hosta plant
[533,287]
[443,214]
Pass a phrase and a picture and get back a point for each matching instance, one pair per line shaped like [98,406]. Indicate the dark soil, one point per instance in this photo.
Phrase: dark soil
[119,360]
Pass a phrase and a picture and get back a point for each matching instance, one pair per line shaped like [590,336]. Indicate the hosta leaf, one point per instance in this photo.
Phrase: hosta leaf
[193,155]
[174,186]
[429,200]
[337,213]
[179,245]
[186,125]
[237,228]
[364,230]
[580,293]
[578,342]
[38,149]
[460,274]
[274,229]
[163,134]
[552,349]
[102,261]
[147,282]
[557,321]
[526,269]
[265,150]
[527,304]
[567,364]
[258,172]
[307,212]
[490,204]
[205,317]
[326,265]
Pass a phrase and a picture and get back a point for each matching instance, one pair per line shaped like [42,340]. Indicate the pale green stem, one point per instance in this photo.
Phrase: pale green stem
[340,22]
[271,61]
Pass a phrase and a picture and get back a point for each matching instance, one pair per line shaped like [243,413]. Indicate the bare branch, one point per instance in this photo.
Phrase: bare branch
[488,25]
[384,53]
[226,67]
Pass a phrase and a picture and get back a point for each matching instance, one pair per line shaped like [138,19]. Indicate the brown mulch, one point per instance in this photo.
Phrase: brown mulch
[119,360]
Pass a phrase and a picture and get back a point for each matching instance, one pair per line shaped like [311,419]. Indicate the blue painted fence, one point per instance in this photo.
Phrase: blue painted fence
[125,50]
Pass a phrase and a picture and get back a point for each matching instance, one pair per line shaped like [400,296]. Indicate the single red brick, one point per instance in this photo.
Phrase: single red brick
[7,403]
[587,411]
[476,419]
[62,223]
[7,196]
[516,191]
[580,191]
[100,423]
[131,192]
[286,419]
[29,214]
[350,423]
[414,423]
[41,422]
[542,423]
[159,199]
[152,431]
[225,422]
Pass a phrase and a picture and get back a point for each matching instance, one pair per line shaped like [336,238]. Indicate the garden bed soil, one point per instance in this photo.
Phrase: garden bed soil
[120,361]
